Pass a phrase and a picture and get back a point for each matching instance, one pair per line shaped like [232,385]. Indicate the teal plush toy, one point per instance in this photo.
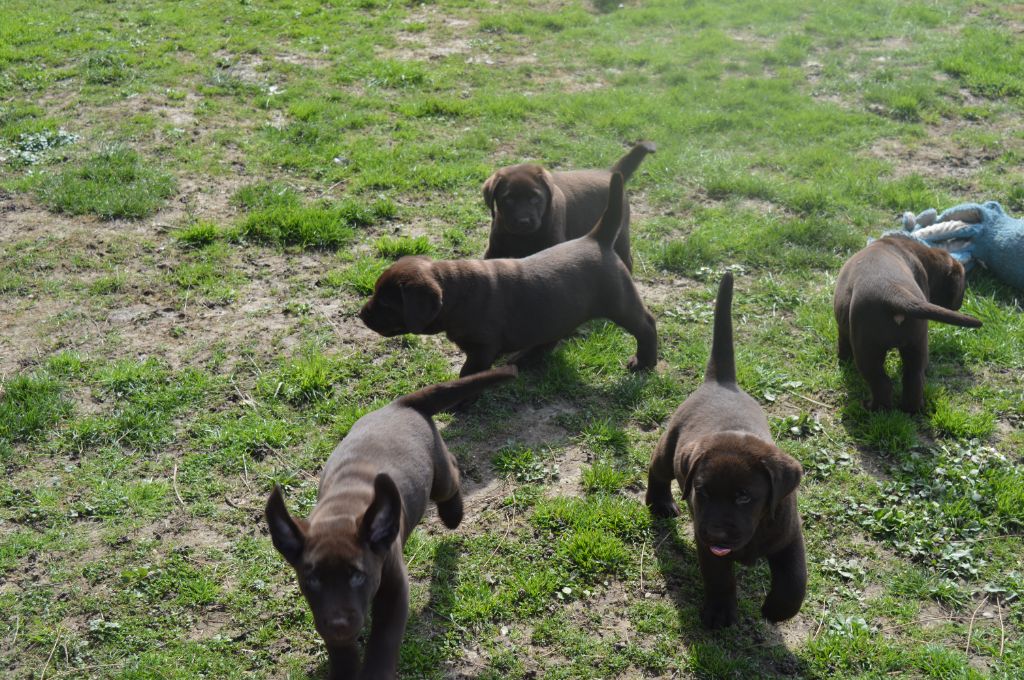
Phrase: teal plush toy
[975,233]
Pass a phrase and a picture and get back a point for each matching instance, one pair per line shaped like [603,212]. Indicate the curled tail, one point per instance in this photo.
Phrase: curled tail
[921,309]
[722,363]
[606,230]
[436,398]
[628,164]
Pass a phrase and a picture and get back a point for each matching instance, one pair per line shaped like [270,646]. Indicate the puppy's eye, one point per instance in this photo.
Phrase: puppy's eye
[742,499]
[312,582]
[356,578]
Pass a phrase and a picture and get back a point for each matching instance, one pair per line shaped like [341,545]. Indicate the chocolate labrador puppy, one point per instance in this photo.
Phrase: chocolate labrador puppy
[488,307]
[373,490]
[533,209]
[885,295]
[740,487]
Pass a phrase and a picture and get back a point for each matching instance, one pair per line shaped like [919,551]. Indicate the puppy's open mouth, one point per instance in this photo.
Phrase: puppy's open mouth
[719,551]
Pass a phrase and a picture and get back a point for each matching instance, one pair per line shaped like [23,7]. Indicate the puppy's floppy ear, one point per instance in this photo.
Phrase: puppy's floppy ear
[687,461]
[421,303]
[490,186]
[383,519]
[785,472]
[548,182]
[287,534]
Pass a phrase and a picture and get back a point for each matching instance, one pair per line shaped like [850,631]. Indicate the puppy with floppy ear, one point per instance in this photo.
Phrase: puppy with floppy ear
[885,295]
[740,487]
[373,491]
[488,307]
[533,209]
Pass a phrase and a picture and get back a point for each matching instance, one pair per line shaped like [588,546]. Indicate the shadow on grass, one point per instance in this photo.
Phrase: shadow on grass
[425,646]
[552,403]
[752,648]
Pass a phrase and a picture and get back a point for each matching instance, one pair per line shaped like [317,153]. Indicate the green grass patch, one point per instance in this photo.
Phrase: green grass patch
[112,184]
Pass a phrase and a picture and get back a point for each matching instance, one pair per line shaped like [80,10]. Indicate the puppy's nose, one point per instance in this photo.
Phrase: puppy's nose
[524,221]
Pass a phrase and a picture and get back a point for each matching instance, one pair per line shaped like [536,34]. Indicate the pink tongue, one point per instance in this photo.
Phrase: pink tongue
[720,552]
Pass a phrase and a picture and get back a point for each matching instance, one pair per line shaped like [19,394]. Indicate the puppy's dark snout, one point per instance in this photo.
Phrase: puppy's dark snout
[341,626]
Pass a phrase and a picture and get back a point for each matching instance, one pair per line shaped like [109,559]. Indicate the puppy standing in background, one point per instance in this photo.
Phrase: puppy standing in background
[740,487]
[373,490]
[488,307]
[885,295]
[533,209]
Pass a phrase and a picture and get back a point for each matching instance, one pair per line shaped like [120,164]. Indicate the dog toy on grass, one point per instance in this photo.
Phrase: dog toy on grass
[975,233]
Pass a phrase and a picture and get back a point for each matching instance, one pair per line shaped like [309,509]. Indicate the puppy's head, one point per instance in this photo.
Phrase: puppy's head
[406,298]
[946,281]
[519,198]
[733,480]
[339,562]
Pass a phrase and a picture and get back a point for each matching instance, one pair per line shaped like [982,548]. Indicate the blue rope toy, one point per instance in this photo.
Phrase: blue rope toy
[974,233]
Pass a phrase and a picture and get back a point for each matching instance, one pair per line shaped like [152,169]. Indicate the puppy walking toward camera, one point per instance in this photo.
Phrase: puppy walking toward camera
[533,209]
[885,295]
[740,487]
[373,490]
[489,307]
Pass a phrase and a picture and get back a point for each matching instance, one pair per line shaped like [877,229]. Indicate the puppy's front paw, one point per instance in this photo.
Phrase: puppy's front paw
[450,511]
[876,405]
[718,615]
[776,611]
[661,508]
[635,366]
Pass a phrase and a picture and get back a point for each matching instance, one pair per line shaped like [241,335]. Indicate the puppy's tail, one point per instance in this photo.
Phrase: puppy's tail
[436,398]
[921,309]
[628,164]
[608,228]
[722,363]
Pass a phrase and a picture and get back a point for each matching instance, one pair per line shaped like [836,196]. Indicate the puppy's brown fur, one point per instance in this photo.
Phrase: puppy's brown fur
[373,490]
[488,307]
[885,295]
[740,487]
[533,209]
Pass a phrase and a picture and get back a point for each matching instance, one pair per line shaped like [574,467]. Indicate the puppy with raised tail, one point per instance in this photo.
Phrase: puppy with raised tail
[373,491]
[885,295]
[533,209]
[489,307]
[740,487]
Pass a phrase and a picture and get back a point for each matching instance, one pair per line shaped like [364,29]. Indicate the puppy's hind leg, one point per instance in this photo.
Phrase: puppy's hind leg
[789,582]
[870,362]
[915,361]
[843,345]
[634,317]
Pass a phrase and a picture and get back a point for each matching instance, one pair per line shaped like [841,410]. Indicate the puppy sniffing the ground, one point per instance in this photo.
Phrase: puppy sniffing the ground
[740,487]
[533,209]
[489,307]
[885,295]
[373,491]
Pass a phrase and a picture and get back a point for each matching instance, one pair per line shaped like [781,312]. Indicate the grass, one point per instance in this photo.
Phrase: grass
[112,184]
[200,200]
